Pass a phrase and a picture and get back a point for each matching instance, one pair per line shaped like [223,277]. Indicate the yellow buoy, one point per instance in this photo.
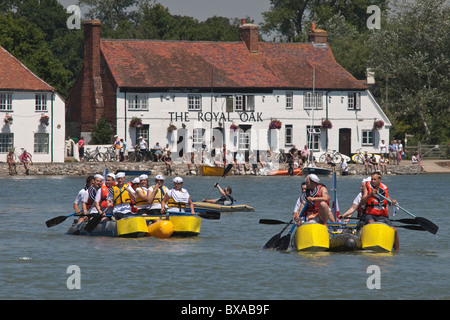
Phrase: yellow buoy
[161,229]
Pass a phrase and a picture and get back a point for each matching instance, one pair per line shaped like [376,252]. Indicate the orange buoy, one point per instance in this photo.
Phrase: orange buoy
[161,229]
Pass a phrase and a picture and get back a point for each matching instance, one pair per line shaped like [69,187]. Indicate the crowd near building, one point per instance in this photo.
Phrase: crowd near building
[197,96]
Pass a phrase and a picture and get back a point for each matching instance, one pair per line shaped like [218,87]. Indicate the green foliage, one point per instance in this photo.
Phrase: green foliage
[412,52]
[102,132]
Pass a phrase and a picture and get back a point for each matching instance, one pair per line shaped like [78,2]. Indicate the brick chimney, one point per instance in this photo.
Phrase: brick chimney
[317,35]
[92,106]
[249,33]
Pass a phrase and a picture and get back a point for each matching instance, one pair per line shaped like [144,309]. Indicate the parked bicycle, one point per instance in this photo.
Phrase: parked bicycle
[336,157]
[94,156]
[110,154]
[138,156]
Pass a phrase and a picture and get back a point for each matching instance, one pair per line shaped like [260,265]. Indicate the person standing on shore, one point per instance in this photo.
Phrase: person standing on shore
[80,145]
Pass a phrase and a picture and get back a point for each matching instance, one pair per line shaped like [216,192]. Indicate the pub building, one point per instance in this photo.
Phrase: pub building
[249,95]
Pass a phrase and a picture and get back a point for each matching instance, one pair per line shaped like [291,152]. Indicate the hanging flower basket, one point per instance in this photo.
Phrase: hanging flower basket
[326,124]
[171,128]
[378,124]
[275,124]
[8,120]
[136,122]
[234,127]
[44,120]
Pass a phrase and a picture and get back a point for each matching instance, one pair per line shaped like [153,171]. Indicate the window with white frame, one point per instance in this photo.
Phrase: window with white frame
[195,102]
[354,101]
[288,135]
[5,101]
[289,96]
[313,135]
[137,102]
[241,103]
[41,102]
[244,140]
[368,137]
[197,137]
[6,142]
[41,143]
[313,100]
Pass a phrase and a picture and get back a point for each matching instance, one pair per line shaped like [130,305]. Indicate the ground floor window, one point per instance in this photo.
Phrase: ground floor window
[6,142]
[313,134]
[41,143]
[143,132]
[288,135]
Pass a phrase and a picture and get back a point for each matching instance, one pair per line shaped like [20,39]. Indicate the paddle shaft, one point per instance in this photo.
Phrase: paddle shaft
[225,172]
[425,223]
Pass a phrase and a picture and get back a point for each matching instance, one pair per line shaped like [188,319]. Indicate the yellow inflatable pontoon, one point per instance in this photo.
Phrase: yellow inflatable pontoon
[378,237]
[311,236]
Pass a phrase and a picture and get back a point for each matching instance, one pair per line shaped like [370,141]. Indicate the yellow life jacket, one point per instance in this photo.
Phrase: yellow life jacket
[124,197]
[159,196]
[140,201]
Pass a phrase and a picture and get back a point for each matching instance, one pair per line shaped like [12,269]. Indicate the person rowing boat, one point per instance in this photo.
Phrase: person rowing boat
[156,194]
[225,199]
[178,198]
[121,196]
[317,199]
[376,205]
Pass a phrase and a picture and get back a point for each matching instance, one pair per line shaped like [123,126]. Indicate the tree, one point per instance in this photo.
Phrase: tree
[25,41]
[412,52]
[102,132]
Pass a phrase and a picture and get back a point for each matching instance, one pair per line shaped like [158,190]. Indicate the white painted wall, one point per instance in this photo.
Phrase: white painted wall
[26,123]
[161,106]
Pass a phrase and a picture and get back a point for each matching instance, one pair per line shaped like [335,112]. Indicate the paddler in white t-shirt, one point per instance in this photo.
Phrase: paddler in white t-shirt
[178,198]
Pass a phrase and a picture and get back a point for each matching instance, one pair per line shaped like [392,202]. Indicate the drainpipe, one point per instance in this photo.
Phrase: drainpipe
[326,117]
[125,128]
[51,119]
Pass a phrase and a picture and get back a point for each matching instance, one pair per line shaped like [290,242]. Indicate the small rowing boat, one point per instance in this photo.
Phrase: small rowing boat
[296,172]
[161,226]
[316,171]
[235,207]
[211,171]
[378,237]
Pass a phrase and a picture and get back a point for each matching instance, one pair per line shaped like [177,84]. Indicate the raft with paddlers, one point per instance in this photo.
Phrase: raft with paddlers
[160,226]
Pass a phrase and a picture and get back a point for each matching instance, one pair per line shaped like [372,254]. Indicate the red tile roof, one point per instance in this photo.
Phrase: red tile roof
[188,64]
[16,76]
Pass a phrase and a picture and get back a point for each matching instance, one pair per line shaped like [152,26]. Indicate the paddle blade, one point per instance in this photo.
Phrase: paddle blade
[55,221]
[272,221]
[210,215]
[283,243]
[93,223]
[427,225]
[272,242]
[227,169]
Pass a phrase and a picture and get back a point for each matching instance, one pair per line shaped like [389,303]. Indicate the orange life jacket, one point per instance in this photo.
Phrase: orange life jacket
[377,206]
[313,208]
